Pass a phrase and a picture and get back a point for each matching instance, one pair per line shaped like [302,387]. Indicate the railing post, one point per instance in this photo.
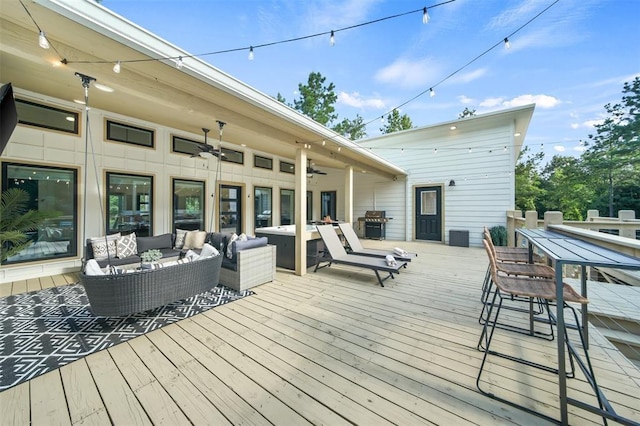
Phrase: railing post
[552,218]
[627,232]
[591,216]
[511,226]
[531,219]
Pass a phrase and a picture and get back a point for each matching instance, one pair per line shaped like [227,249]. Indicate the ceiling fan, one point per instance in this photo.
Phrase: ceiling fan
[311,171]
[207,151]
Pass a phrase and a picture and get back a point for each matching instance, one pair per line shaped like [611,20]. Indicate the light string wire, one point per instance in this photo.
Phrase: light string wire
[40,30]
[257,46]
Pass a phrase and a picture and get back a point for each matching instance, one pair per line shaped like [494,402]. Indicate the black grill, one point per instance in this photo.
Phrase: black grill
[374,224]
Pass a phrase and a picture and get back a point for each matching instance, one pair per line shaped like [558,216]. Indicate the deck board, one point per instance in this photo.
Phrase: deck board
[332,347]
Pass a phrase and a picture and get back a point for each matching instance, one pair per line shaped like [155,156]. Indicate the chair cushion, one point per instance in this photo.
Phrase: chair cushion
[219,240]
[249,243]
[194,239]
[181,234]
[92,268]
[126,246]
[164,241]
[104,247]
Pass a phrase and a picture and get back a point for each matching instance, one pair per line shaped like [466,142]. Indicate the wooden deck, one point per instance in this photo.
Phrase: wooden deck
[332,347]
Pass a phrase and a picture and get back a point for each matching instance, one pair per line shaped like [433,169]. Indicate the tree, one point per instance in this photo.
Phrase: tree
[317,100]
[467,113]
[567,187]
[396,122]
[529,191]
[16,220]
[352,129]
[613,156]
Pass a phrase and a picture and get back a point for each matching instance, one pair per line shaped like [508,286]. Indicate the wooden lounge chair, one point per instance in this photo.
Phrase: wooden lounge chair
[335,253]
[357,248]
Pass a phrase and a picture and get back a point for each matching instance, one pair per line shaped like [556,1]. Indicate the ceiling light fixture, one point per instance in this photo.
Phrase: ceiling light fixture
[102,87]
[42,40]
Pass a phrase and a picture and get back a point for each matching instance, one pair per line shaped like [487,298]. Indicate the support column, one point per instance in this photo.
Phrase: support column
[348,194]
[301,212]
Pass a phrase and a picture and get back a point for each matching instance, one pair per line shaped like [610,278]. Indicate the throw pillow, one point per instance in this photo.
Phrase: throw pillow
[194,239]
[208,251]
[181,234]
[232,238]
[126,246]
[104,247]
[92,268]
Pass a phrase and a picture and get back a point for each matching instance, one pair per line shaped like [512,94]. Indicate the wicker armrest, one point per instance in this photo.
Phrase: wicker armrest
[254,267]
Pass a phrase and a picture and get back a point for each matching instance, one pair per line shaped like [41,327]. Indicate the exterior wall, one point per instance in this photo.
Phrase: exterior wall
[484,189]
[30,145]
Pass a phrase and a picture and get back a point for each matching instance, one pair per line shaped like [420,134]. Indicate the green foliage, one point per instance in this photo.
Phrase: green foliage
[317,99]
[498,235]
[396,122]
[151,255]
[16,220]
[352,129]
[606,177]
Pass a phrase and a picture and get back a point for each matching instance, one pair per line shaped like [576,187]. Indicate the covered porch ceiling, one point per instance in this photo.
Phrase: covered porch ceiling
[188,99]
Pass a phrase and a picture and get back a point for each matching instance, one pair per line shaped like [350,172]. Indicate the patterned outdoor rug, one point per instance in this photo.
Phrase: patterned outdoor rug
[46,329]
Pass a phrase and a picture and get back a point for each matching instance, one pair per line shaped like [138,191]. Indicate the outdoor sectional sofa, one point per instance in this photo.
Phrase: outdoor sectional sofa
[252,262]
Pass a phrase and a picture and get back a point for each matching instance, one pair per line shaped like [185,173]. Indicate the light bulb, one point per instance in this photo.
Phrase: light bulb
[332,39]
[251,53]
[42,40]
[116,68]
[179,63]
[507,44]
[425,16]
[432,92]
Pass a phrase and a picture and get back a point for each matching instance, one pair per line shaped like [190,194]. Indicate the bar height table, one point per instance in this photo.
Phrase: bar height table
[566,250]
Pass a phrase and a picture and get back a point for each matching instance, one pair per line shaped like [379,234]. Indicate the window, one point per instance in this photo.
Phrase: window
[47,117]
[287,167]
[49,188]
[188,204]
[262,206]
[328,204]
[232,156]
[230,209]
[287,206]
[262,162]
[309,206]
[119,132]
[184,146]
[130,203]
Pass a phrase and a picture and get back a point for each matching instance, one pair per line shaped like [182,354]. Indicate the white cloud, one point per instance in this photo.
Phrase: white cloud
[575,125]
[559,148]
[355,100]
[579,148]
[592,123]
[468,76]
[465,100]
[541,101]
[410,74]
[492,102]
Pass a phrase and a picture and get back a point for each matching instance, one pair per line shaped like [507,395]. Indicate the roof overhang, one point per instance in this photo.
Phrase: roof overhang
[92,38]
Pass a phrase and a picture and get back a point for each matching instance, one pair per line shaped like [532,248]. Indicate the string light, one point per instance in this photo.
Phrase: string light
[116,68]
[179,63]
[251,53]
[42,40]
[432,92]
[425,16]
[332,39]
[507,43]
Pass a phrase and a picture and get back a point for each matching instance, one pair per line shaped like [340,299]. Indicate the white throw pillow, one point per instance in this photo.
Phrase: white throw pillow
[92,268]
[127,246]
[104,247]
[208,251]
[194,239]
[233,238]
[181,234]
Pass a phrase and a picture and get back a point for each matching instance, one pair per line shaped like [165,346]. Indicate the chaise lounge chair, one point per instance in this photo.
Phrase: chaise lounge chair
[335,253]
[357,248]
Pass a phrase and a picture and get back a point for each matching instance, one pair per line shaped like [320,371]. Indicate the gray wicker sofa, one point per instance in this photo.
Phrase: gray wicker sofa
[128,293]
[163,242]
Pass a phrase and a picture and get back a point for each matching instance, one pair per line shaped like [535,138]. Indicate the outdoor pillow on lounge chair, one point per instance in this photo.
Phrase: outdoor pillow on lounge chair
[357,248]
[337,254]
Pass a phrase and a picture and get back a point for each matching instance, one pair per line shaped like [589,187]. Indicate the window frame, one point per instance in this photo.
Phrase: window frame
[289,169]
[226,157]
[138,202]
[109,138]
[266,159]
[68,112]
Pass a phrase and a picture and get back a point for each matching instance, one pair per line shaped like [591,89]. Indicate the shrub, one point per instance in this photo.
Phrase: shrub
[498,235]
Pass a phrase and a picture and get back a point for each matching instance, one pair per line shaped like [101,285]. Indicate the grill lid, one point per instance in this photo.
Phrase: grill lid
[374,216]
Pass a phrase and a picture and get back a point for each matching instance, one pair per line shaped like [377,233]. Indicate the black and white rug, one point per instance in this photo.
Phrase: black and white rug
[46,329]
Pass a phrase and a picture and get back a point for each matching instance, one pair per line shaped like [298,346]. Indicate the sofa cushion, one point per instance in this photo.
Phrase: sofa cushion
[181,234]
[247,244]
[208,251]
[219,240]
[126,246]
[164,241]
[194,239]
[104,247]
[92,268]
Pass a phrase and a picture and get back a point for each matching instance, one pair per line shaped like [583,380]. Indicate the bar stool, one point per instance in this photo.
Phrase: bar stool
[543,289]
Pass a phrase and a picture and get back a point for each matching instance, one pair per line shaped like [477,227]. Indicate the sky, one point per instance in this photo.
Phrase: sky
[570,61]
